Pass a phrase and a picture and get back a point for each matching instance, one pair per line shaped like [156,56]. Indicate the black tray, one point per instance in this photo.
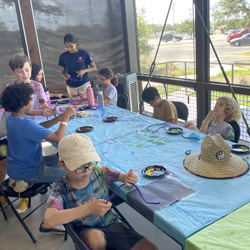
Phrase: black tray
[240,148]
[154,171]
[110,119]
[84,129]
[174,131]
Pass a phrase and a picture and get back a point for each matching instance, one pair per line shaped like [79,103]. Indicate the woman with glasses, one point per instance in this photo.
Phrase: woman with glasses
[76,64]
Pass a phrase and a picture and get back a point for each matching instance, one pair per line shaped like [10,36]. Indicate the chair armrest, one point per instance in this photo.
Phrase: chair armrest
[76,239]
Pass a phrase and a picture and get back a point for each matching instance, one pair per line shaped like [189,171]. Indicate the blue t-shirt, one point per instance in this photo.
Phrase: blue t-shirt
[73,63]
[24,147]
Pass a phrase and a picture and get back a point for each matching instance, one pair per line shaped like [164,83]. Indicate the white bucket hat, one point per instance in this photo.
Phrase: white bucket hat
[76,150]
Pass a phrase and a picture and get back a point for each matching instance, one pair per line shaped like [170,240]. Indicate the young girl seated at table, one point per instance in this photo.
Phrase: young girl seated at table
[109,82]
[217,120]
[25,160]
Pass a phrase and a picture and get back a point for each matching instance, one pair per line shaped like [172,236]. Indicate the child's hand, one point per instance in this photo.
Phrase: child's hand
[55,110]
[210,115]
[66,77]
[47,112]
[82,95]
[131,177]
[69,112]
[99,207]
[80,73]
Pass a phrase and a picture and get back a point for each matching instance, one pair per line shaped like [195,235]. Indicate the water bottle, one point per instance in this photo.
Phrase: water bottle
[90,97]
[46,91]
[100,101]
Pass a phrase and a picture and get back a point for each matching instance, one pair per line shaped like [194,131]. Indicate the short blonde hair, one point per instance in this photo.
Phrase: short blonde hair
[232,109]
[17,61]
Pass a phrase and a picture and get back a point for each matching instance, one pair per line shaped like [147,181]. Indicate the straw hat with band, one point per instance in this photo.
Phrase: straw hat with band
[215,160]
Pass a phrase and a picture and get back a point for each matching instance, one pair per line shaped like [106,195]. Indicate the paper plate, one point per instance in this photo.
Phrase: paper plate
[154,171]
[239,148]
[110,119]
[84,108]
[174,131]
[84,129]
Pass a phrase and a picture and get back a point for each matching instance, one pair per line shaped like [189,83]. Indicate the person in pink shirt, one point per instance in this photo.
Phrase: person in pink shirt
[20,67]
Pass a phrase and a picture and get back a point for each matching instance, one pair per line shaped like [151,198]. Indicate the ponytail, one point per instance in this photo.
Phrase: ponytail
[114,80]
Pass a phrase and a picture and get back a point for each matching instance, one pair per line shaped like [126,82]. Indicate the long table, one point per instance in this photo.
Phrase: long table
[136,141]
[230,232]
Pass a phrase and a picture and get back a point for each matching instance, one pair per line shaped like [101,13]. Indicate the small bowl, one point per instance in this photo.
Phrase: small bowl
[110,119]
[84,129]
[174,131]
[154,171]
[240,148]
[84,108]
[63,102]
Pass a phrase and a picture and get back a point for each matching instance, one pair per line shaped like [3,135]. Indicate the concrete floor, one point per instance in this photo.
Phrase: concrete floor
[13,236]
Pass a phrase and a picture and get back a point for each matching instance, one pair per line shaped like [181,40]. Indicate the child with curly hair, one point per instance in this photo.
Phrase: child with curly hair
[217,120]
[25,160]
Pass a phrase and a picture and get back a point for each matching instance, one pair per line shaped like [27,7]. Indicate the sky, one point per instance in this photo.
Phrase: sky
[156,10]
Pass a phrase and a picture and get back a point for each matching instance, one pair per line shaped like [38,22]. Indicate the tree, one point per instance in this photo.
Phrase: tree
[185,27]
[144,35]
[235,14]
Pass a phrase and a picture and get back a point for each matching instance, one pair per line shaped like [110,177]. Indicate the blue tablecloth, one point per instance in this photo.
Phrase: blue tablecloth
[127,143]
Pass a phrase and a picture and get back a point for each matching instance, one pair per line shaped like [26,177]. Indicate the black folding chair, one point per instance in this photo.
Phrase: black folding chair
[6,192]
[236,128]
[122,101]
[182,110]
[78,243]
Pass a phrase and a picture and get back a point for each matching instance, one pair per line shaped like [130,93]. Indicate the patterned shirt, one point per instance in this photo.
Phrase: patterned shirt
[39,95]
[224,129]
[64,196]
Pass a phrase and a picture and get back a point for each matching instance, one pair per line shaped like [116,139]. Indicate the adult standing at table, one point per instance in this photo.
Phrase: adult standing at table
[76,64]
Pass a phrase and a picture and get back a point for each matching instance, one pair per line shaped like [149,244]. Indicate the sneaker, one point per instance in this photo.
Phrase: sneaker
[57,229]
[3,201]
[22,206]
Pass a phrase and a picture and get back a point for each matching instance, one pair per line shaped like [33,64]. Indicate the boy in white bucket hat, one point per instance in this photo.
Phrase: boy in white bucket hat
[81,197]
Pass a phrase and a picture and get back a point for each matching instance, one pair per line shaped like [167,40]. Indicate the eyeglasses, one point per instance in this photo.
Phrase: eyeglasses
[70,47]
[101,79]
[89,166]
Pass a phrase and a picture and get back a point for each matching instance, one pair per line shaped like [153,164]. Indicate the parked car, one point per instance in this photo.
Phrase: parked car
[244,40]
[227,32]
[171,37]
[186,37]
[238,34]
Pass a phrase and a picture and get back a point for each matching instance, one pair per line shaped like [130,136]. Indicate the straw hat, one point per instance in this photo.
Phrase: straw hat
[215,160]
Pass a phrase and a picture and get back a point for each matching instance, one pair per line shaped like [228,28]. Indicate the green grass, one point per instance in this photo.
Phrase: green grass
[241,76]
[173,70]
